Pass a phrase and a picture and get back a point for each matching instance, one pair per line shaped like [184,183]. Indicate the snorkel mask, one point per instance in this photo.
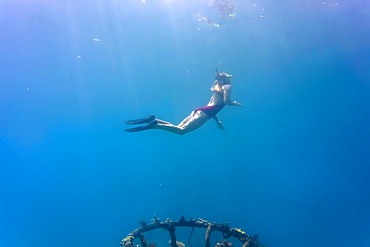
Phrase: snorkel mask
[226,78]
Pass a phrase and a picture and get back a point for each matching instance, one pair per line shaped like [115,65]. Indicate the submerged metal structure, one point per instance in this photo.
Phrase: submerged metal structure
[170,226]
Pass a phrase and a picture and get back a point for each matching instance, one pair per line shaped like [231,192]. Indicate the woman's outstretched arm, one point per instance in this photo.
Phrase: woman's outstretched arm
[227,96]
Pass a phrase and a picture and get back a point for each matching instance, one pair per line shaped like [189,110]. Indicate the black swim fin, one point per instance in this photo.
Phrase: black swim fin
[144,127]
[142,120]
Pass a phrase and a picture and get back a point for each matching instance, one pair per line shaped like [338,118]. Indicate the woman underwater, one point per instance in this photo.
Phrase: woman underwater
[221,97]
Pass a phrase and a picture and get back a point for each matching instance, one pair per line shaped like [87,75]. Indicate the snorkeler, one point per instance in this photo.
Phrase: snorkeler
[220,98]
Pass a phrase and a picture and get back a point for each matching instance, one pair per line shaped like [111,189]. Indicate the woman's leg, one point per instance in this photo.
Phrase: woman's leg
[186,120]
[164,125]
[190,123]
[198,119]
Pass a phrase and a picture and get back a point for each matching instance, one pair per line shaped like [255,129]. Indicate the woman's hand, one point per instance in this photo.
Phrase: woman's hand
[220,125]
[237,103]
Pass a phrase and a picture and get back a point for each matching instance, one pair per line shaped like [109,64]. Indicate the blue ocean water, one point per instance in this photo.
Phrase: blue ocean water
[292,164]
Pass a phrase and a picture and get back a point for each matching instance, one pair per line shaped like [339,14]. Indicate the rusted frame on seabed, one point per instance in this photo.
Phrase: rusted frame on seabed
[170,226]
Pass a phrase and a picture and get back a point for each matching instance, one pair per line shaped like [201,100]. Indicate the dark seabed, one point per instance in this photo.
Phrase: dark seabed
[292,164]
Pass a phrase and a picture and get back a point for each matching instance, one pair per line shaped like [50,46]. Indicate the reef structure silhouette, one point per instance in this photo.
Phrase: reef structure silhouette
[170,226]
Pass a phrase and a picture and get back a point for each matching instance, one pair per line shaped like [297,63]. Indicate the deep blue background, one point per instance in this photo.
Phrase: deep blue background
[291,166]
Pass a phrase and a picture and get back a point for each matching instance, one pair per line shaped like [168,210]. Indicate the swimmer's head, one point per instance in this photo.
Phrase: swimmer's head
[223,77]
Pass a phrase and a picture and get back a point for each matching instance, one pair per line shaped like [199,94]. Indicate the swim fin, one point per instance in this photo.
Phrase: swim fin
[144,127]
[141,120]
